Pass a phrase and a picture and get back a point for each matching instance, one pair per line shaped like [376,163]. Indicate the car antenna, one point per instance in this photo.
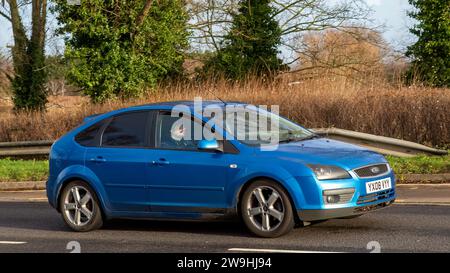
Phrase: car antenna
[212,93]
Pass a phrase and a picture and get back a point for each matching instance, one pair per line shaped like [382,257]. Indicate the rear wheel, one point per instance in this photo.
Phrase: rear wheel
[266,209]
[80,207]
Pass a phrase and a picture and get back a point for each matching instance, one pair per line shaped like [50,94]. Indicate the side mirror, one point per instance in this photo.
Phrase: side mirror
[209,145]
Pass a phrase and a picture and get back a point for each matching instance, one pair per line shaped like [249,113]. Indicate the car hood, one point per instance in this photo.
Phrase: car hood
[326,151]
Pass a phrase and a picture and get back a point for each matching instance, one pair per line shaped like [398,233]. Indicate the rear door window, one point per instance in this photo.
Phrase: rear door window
[90,137]
[127,130]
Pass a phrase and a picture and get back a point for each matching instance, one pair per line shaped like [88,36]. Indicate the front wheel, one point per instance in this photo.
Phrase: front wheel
[80,207]
[266,209]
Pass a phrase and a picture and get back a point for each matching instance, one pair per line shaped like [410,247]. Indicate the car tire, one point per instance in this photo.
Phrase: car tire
[352,216]
[80,208]
[267,210]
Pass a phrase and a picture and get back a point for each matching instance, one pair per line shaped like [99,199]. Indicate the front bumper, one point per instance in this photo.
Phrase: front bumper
[323,214]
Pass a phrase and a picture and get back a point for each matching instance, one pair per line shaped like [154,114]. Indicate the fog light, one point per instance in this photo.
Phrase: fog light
[338,196]
[333,199]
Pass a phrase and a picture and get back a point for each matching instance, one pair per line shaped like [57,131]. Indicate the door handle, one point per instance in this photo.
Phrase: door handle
[160,162]
[98,159]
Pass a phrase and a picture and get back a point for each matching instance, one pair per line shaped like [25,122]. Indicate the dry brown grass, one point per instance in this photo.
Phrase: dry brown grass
[417,114]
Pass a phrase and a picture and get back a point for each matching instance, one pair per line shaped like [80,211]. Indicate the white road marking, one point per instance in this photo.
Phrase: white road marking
[277,250]
[11,243]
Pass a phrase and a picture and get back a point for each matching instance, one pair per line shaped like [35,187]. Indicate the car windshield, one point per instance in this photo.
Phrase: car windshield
[243,125]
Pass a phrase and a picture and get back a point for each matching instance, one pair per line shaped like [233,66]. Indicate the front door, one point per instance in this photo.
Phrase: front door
[183,178]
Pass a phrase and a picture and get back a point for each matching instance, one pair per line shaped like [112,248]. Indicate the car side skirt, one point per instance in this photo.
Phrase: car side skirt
[180,214]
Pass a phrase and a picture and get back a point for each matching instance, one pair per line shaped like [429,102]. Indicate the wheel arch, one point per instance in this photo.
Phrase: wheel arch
[247,184]
[68,180]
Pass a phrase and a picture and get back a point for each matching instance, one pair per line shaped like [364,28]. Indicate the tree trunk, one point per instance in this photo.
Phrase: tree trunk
[29,58]
[39,14]
[20,39]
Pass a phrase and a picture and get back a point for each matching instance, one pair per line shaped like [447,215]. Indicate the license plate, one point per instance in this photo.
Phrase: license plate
[379,185]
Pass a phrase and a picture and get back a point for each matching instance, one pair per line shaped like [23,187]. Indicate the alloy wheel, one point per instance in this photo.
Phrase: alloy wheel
[265,208]
[78,206]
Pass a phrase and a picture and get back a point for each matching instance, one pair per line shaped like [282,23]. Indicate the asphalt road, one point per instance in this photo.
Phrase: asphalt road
[35,227]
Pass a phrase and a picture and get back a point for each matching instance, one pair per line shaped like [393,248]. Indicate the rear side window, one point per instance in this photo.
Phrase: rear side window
[91,136]
[127,130]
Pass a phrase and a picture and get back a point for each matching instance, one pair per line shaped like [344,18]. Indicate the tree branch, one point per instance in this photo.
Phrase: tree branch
[5,16]
[140,19]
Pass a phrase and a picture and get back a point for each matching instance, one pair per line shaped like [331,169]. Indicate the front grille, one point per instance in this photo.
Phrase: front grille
[372,207]
[376,196]
[372,170]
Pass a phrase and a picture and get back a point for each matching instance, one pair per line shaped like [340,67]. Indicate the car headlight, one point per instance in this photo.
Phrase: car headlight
[324,172]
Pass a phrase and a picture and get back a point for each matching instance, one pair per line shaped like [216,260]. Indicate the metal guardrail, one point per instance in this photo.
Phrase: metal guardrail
[384,145]
[25,148]
[381,144]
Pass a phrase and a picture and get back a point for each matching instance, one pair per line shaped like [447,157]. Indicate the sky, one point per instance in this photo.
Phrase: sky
[390,13]
[393,15]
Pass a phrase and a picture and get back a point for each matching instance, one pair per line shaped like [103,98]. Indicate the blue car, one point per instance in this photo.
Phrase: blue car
[138,163]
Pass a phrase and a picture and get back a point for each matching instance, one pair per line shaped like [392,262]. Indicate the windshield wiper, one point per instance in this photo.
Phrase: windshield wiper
[310,137]
[294,139]
[287,140]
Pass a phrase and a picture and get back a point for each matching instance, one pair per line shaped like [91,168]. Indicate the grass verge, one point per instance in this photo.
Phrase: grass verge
[23,170]
[420,164]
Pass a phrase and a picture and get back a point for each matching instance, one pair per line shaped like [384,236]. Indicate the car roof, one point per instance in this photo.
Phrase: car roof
[188,103]
[167,105]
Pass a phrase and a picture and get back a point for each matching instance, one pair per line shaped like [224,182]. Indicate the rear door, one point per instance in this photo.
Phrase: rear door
[121,160]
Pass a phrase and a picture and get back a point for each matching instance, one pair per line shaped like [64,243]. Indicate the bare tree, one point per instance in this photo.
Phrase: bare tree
[211,19]
[350,54]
